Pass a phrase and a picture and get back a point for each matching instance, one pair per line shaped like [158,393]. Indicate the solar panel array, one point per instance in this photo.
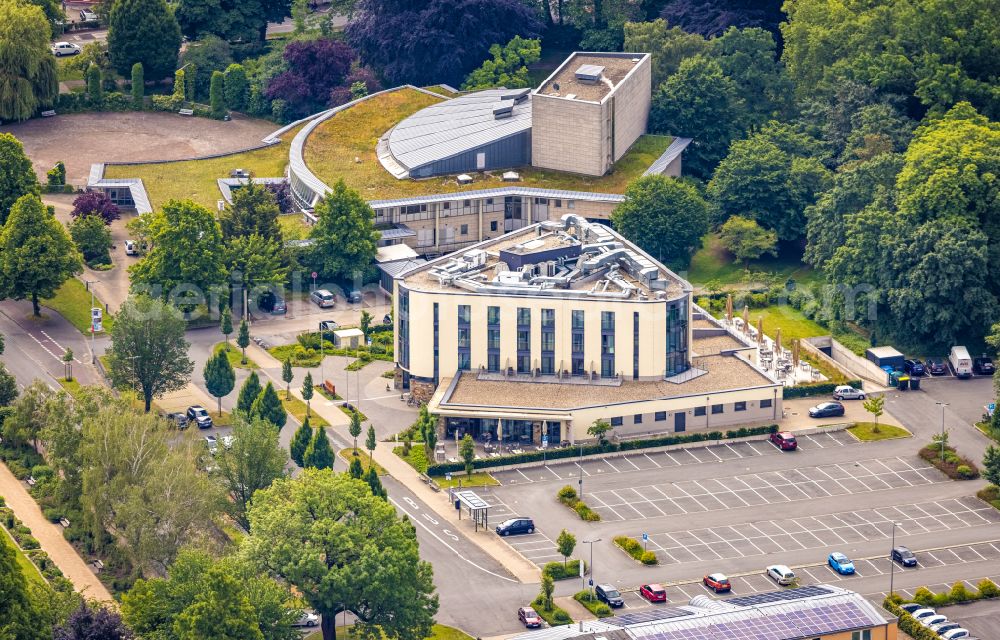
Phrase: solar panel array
[785,625]
[779,596]
[651,615]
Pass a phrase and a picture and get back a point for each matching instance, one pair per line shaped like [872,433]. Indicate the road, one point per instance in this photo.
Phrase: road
[35,347]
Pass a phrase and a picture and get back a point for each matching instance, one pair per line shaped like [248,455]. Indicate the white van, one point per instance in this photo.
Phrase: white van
[960,361]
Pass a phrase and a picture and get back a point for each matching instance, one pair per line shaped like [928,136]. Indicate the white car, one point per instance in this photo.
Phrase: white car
[307,619]
[920,614]
[844,392]
[65,49]
[937,618]
[88,16]
[955,634]
[780,574]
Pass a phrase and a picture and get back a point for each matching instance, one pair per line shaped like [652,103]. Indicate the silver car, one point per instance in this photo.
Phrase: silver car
[845,392]
[323,298]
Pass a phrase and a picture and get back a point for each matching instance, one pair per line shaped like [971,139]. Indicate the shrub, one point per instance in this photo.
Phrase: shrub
[138,85]
[965,472]
[924,596]
[816,389]
[954,466]
[28,542]
[216,97]
[95,203]
[56,176]
[959,592]
[648,558]
[586,513]
[172,102]
[557,571]
[567,494]
[561,616]
[602,610]
[18,469]
[41,471]
[988,589]
[52,514]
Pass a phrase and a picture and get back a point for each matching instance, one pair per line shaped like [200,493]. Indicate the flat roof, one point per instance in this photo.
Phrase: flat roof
[394,252]
[449,128]
[721,373]
[613,69]
[716,344]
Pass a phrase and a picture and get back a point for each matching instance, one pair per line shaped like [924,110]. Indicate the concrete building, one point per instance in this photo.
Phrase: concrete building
[815,612]
[544,330]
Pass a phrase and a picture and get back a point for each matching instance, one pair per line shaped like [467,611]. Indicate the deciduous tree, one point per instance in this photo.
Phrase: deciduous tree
[667,45]
[991,465]
[28,76]
[243,339]
[566,543]
[253,211]
[307,392]
[220,379]
[253,462]
[370,444]
[354,428]
[665,216]
[143,31]
[507,65]
[19,610]
[95,203]
[467,451]
[17,175]
[256,263]
[747,240]
[93,623]
[344,235]
[599,430]
[92,238]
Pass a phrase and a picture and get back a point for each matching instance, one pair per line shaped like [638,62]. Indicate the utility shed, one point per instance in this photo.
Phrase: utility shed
[348,338]
[885,357]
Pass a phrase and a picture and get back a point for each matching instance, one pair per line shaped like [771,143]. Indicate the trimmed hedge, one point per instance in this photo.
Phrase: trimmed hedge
[567,496]
[816,389]
[557,571]
[633,547]
[607,447]
[954,466]
[554,616]
[592,604]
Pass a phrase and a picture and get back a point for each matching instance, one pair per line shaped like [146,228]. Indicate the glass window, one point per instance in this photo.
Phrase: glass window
[493,339]
[765,404]
[548,318]
[716,408]
[464,314]
[558,204]
[660,416]
[616,422]
[637,418]
[464,229]
[523,364]
[607,321]
[493,361]
[607,366]
[577,343]
[578,369]
[548,365]
[493,315]
[699,411]
[523,340]
[608,344]
[578,320]
[463,338]
[740,406]
[523,316]
[493,225]
[548,341]
[463,361]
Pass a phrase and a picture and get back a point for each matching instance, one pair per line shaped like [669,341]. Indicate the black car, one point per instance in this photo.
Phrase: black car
[935,367]
[198,415]
[515,526]
[904,556]
[178,420]
[983,366]
[914,367]
[826,410]
[609,595]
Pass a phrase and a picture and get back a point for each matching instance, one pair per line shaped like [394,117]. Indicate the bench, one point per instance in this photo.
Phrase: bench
[330,388]
[186,112]
[49,113]
[97,564]
[31,481]
[64,522]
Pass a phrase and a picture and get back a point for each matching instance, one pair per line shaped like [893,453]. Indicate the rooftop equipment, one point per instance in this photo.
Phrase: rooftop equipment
[589,73]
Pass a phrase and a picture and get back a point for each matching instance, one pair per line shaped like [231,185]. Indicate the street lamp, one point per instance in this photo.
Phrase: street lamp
[591,543]
[892,563]
[943,405]
[93,332]
[580,464]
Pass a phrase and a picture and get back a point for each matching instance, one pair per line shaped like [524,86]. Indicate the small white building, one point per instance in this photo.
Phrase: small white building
[348,338]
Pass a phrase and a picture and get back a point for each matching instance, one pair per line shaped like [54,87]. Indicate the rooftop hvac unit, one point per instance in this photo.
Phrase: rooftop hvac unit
[511,176]
[589,73]
[503,109]
[464,178]
[517,95]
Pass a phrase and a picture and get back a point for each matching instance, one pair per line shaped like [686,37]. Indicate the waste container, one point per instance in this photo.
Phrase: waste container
[894,378]
[904,383]
[915,383]
[458,505]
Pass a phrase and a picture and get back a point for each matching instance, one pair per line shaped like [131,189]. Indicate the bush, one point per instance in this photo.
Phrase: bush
[965,472]
[954,466]
[816,389]
[648,558]
[18,470]
[924,596]
[28,542]
[633,548]
[561,616]
[41,472]
[586,513]
[959,592]
[592,604]
[557,571]
[988,589]
[52,514]
[172,102]
[567,495]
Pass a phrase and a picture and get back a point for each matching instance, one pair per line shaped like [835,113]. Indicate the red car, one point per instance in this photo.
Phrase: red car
[529,618]
[717,582]
[784,440]
[653,593]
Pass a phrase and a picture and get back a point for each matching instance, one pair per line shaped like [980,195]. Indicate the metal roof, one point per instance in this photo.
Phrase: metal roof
[459,125]
[669,155]
[140,198]
[399,267]
[226,185]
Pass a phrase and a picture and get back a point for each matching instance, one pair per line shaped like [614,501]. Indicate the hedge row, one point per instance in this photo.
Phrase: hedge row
[594,449]
[554,616]
[958,593]
[560,571]
[954,466]
[633,547]
[593,605]
[816,389]
[567,496]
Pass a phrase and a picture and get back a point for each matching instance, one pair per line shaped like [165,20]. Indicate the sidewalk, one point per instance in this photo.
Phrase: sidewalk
[50,537]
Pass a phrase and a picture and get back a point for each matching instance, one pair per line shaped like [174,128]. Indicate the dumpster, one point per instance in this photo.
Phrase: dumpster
[894,378]
[904,383]
[915,384]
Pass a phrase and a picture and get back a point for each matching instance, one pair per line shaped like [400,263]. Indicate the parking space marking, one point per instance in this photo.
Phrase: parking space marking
[658,465]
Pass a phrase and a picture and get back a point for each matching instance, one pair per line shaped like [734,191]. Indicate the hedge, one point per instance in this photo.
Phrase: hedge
[554,616]
[954,466]
[594,449]
[567,496]
[817,389]
[633,547]
[557,571]
[593,605]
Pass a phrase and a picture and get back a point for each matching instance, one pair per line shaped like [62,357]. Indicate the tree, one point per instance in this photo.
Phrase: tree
[236,87]
[268,407]
[354,428]
[93,623]
[215,95]
[467,452]
[36,254]
[287,376]
[92,238]
[371,477]
[138,86]
[221,611]
[365,323]
[19,608]
[599,430]
[143,31]
[991,465]
[208,55]
[25,422]
[243,339]
[300,442]
[446,38]
[545,590]
[427,426]
[354,469]
[699,102]
[343,531]
[667,45]
[256,262]
[8,386]
[749,58]
[314,68]
[712,17]
[187,259]
[237,22]
[56,176]
[148,348]
[307,392]
[665,216]
[254,461]
[179,94]
[370,443]
[253,211]
[95,203]
[508,66]
[875,405]
[747,240]
[30,78]
[17,175]
[220,379]
[248,393]
[565,543]
[319,454]
[226,323]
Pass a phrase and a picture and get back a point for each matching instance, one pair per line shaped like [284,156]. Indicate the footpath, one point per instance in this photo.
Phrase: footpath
[50,538]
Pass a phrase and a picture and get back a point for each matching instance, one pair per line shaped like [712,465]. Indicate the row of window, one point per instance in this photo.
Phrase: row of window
[660,416]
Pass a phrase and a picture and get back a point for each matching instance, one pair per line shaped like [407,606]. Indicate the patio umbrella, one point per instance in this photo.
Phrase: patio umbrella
[746,319]
[795,352]
[777,343]
[760,329]
[729,308]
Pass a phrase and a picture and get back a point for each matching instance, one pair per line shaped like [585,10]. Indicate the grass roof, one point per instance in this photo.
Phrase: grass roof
[331,150]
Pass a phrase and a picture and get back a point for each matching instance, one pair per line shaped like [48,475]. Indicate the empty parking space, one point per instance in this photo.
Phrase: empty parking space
[536,547]
[773,487]
[563,469]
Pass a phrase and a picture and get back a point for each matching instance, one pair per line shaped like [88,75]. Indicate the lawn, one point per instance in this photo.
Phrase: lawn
[196,179]
[866,431]
[417,458]
[363,457]
[300,356]
[442,91]
[477,479]
[297,408]
[293,227]
[332,148]
[987,429]
[72,387]
[713,262]
[234,356]
[791,322]
[27,566]
[73,302]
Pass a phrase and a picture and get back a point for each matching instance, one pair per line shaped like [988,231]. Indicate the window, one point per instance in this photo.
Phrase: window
[548,365]
[740,406]
[637,418]
[608,344]
[608,321]
[493,339]
[548,318]
[699,411]
[616,422]
[558,204]
[446,205]
[578,320]
[861,635]
[523,340]
[489,200]
[541,200]
[660,416]
[493,361]
[493,225]
[464,230]
[463,338]
[635,345]
[523,364]
[493,316]
[548,341]
[716,408]
[571,204]
[765,404]
[466,203]
[578,369]
[464,361]
[523,316]
[577,343]
[464,314]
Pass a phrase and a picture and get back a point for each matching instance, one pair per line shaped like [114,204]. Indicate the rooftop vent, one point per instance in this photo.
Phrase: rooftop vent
[503,109]
[517,95]
[570,96]
[589,73]
[511,176]
[464,178]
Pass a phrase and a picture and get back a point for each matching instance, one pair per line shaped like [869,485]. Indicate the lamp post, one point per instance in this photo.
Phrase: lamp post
[591,543]
[892,563]
[943,405]
[580,464]
[93,332]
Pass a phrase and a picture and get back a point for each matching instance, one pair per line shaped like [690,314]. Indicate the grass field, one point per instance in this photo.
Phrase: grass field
[363,457]
[28,568]
[866,431]
[477,479]
[332,148]
[72,387]
[713,262]
[297,408]
[234,356]
[791,322]
[72,301]
[293,227]
[196,179]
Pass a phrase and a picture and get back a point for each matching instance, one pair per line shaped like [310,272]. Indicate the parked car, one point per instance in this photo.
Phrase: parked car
[941,627]
[328,325]
[529,617]
[272,303]
[937,618]
[845,392]
[609,595]
[914,367]
[65,49]
[653,592]
[955,634]
[826,410]
[212,444]
[515,526]
[904,556]
[88,16]
[323,298]
[920,614]
[307,619]
[131,249]
[717,582]
[354,296]
[199,415]
[910,607]
[935,367]
[280,306]
[983,366]
[177,419]
[840,563]
[784,440]
[780,574]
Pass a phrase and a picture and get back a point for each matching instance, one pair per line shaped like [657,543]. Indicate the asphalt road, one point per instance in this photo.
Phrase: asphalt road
[35,348]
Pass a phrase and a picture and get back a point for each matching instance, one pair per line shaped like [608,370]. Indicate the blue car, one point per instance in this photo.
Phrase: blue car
[840,563]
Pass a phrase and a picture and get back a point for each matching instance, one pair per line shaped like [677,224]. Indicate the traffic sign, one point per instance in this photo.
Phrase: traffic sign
[645,537]
[590,582]
[545,440]
[315,275]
